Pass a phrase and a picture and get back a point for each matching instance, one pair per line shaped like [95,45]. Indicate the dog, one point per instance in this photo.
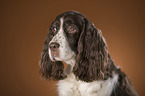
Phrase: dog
[90,71]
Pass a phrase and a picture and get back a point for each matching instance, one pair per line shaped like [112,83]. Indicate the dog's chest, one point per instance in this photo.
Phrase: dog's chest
[71,87]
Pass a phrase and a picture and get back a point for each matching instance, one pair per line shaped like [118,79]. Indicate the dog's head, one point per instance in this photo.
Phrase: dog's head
[74,40]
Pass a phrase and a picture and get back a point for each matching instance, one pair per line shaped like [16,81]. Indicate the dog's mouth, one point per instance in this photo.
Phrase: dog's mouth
[54,54]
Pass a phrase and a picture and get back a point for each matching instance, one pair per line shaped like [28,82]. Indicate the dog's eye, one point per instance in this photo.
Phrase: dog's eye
[71,29]
[54,29]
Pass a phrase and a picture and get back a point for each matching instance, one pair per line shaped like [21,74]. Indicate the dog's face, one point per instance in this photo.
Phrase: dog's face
[66,31]
[74,39]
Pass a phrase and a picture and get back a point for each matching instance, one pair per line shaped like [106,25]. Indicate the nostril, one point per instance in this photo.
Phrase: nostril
[53,46]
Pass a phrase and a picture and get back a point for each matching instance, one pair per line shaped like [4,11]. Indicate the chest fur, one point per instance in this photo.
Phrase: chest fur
[71,87]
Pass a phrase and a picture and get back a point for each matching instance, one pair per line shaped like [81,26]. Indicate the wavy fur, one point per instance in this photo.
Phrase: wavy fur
[50,69]
[92,59]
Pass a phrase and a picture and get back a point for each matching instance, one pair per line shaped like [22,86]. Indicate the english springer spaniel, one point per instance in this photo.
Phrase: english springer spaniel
[90,70]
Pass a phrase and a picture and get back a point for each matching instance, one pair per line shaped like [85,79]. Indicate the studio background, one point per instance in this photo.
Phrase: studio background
[24,26]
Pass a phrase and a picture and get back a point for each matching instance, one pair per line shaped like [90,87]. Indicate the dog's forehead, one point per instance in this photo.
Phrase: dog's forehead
[74,17]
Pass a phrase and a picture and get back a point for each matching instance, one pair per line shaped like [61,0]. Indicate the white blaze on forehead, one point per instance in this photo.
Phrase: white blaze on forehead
[61,24]
[57,38]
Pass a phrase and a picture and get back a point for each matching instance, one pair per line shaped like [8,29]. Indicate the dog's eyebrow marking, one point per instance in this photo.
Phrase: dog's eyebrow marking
[61,31]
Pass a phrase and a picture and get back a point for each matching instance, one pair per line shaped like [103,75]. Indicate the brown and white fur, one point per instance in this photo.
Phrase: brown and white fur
[90,71]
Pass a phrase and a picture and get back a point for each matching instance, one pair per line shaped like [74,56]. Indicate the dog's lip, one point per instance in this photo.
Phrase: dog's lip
[54,59]
[54,54]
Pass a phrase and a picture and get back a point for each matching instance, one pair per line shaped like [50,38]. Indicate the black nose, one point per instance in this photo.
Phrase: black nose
[54,46]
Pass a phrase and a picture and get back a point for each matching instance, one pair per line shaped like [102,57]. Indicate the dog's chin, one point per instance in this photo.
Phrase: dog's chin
[55,58]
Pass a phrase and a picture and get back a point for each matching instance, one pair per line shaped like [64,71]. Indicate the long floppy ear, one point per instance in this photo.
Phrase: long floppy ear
[50,69]
[92,59]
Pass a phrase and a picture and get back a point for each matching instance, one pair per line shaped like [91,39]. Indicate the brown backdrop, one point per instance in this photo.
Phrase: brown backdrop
[24,26]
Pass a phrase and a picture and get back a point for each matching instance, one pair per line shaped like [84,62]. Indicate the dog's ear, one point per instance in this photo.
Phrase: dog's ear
[48,68]
[92,57]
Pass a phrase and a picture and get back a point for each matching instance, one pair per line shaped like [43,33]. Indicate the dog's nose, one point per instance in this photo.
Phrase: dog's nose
[54,46]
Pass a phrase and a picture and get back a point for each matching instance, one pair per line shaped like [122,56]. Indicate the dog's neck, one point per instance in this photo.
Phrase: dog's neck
[70,63]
